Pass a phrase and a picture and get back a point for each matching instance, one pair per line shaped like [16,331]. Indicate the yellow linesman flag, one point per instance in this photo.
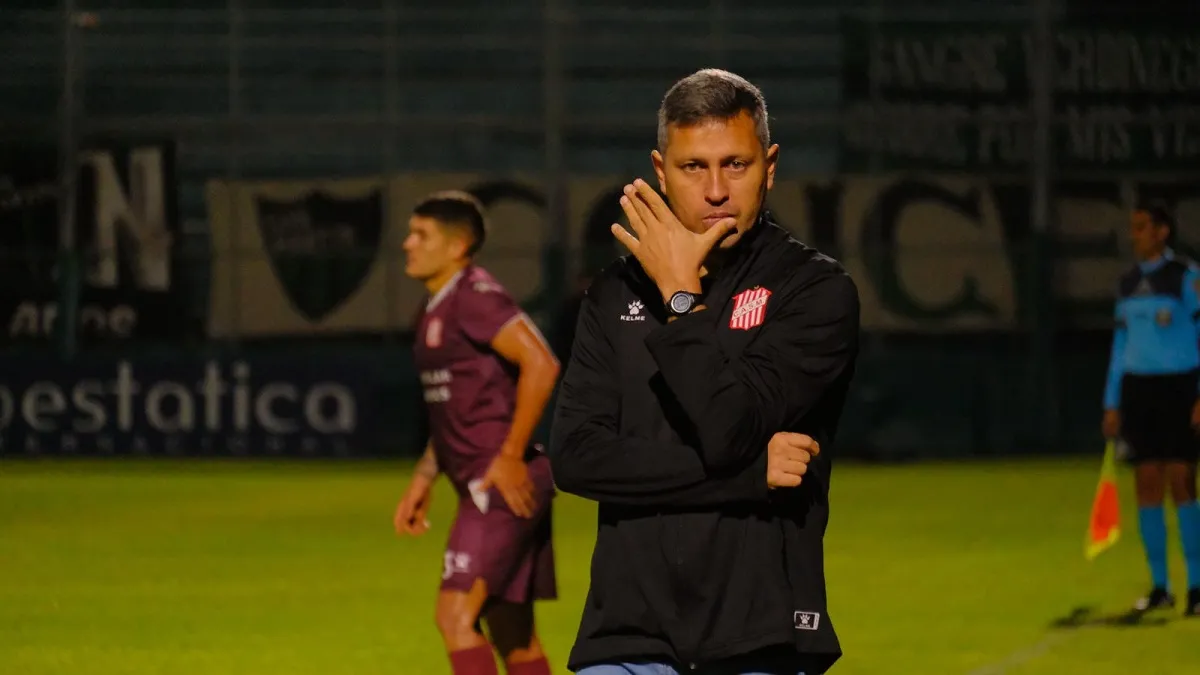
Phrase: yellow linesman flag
[1104,527]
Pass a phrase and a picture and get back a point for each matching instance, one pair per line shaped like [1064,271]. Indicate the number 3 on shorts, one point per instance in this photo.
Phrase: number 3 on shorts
[454,563]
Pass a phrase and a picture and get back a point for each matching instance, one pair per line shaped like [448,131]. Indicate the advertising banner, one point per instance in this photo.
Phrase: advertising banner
[251,405]
[126,226]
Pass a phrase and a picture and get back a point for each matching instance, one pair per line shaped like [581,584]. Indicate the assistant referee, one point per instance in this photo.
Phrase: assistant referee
[1152,399]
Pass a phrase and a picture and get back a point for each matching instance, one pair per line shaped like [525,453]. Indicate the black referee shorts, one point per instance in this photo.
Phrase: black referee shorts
[1156,417]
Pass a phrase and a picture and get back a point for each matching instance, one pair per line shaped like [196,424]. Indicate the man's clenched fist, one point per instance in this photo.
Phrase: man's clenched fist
[788,455]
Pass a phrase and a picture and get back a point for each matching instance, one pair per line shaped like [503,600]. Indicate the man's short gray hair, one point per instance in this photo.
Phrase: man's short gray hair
[709,94]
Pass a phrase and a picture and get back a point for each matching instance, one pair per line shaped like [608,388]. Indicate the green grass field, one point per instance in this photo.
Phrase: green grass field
[240,568]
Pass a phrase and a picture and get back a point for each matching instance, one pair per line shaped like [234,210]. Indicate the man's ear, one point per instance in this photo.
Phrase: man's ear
[659,163]
[460,245]
[772,163]
[1165,234]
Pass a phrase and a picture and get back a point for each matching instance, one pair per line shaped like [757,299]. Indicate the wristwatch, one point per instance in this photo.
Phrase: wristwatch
[681,303]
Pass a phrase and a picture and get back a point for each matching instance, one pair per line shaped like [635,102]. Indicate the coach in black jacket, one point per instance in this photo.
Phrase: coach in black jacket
[690,355]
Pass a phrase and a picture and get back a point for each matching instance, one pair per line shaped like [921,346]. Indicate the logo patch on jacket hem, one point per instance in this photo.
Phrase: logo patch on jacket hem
[806,620]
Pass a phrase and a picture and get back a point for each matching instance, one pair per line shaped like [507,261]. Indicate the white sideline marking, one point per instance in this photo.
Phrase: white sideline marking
[1021,656]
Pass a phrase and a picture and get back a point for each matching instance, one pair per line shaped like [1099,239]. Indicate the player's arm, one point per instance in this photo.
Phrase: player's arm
[738,404]
[427,467]
[490,318]
[590,458]
[1116,362]
[520,343]
[1191,299]
[412,512]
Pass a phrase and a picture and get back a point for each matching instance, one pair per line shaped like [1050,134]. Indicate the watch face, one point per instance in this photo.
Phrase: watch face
[681,303]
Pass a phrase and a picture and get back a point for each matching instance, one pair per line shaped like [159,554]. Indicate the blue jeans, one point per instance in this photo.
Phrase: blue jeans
[643,669]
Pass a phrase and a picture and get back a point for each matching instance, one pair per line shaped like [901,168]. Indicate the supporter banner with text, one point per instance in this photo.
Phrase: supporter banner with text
[940,252]
[956,95]
[931,253]
[126,224]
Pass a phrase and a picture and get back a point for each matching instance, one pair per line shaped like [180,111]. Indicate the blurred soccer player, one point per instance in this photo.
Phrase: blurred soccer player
[487,374]
[1153,395]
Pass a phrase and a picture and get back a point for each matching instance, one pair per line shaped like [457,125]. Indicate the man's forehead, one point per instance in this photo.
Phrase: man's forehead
[422,223]
[714,137]
[1142,217]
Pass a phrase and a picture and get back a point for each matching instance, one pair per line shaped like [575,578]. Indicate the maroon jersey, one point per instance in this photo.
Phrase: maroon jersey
[470,391]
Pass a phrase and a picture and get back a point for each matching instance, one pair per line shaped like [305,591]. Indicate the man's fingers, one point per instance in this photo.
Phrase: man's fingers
[633,201]
[419,522]
[514,497]
[528,500]
[794,438]
[795,454]
[514,504]
[801,442]
[401,517]
[653,201]
[636,220]
[518,504]
[627,240]
[519,501]
[791,466]
[718,232]
[781,479]
[530,504]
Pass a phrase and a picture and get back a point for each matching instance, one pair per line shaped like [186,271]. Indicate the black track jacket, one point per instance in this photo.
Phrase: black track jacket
[666,426]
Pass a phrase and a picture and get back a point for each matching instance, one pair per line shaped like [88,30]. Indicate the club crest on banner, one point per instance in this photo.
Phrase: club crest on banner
[749,308]
[318,235]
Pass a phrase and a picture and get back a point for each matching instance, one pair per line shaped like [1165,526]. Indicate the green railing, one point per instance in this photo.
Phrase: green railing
[980,202]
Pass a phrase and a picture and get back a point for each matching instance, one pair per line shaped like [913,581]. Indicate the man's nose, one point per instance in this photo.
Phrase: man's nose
[716,188]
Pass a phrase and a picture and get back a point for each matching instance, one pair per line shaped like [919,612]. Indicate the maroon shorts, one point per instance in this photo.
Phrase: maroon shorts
[513,555]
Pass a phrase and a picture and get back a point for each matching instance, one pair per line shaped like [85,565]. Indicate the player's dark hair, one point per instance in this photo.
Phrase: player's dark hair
[456,209]
[1159,214]
[709,94]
